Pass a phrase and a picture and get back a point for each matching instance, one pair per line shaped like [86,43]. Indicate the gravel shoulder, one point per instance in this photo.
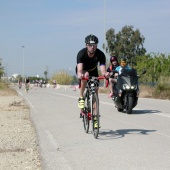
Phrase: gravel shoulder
[18,143]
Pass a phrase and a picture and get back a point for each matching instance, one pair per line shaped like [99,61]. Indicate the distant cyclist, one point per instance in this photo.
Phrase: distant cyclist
[88,59]
[54,83]
[110,69]
[27,83]
[19,83]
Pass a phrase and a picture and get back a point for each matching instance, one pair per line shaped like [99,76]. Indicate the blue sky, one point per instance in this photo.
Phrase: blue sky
[53,31]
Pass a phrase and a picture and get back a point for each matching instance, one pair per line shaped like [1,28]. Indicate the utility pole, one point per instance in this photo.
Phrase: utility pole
[23,58]
[105,27]
[104,33]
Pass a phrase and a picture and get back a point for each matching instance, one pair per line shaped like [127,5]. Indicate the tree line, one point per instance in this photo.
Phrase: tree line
[130,43]
[127,42]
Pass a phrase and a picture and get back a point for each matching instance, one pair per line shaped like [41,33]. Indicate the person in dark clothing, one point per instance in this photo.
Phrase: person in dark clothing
[87,62]
[110,69]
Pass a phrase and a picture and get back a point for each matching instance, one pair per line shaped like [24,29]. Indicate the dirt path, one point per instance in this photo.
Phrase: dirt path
[18,145]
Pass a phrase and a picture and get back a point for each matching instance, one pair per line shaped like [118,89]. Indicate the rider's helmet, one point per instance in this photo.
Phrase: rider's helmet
[113,58]
[123,61]
[91,39]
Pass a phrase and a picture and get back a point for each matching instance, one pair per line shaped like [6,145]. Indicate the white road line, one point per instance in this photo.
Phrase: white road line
[112,104]
[31,105]
[52,140]
[65,95]
[56,146]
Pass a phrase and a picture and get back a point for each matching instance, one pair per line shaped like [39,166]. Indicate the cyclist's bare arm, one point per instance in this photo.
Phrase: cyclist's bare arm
[103,71]
[79,70]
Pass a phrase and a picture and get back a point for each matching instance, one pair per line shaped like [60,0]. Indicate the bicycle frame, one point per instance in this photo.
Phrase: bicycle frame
[92,96]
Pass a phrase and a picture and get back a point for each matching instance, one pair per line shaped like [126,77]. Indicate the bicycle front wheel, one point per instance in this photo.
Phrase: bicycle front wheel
[95,115]
[86,113]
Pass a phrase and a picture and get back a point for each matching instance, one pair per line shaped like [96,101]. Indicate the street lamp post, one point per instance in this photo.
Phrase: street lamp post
[23,57]
[152,54]
[105,27]
[104,32]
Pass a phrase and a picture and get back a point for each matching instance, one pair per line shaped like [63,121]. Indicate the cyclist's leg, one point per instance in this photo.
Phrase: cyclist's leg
[83,83]
[95,74]
[82,89]
[95,115]
[94,104]
[111,87]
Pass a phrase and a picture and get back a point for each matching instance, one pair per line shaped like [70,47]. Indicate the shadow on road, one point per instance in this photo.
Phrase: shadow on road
[145,111]
[122,132]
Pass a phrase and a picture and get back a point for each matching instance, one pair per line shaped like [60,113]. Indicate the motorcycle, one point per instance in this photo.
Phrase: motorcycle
[126,90]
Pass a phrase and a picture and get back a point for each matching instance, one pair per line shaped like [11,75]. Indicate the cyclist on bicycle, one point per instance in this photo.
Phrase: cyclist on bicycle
[110,69]
[20,83]
[27,82]
[87,62]
[54,83]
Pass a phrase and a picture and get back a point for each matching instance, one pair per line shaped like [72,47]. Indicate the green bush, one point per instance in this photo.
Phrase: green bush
[162,91]
[3,85]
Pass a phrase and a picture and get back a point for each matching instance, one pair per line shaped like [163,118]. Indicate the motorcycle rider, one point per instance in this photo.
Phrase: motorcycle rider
[123,65]
[119,69]
[110,69]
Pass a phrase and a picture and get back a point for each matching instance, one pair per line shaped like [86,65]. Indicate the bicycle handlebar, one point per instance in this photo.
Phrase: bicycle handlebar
[99,78]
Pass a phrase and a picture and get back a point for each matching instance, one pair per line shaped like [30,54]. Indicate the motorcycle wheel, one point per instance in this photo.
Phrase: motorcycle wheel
[129,105]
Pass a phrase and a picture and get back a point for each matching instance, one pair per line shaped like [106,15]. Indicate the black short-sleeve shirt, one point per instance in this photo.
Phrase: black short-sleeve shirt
[90,64]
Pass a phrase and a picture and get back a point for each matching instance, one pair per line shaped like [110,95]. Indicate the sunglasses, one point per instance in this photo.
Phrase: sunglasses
[90,45]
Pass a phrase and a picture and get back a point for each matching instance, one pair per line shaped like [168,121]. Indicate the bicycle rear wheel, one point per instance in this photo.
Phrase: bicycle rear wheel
[27,88]
[95,115]
[86,111]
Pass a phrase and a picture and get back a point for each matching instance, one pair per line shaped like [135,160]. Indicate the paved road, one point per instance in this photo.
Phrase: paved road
[140,141]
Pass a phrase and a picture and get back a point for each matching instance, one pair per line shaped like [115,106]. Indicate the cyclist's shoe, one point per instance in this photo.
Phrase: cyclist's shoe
[95,124]
[81,102]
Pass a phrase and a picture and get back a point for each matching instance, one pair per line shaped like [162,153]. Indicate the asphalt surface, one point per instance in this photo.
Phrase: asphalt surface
[139,141]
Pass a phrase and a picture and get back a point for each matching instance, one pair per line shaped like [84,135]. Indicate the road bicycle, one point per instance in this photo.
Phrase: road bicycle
[19,85]
[26,87]
[90,113]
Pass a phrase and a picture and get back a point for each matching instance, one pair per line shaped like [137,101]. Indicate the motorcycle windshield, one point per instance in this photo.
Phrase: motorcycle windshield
[128,76]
